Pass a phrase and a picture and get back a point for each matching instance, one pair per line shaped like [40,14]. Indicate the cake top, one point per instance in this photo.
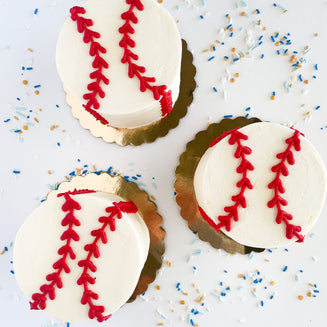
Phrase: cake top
[79,255]
[263,185]
[132,48]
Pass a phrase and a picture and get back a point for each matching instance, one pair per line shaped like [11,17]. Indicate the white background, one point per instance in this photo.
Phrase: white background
[36,151]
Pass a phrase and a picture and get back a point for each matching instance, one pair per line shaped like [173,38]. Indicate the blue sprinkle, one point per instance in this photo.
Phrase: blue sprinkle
[17,131]
[316,66]
[274,93]
[178,284]
[229,26]
[58,143]
[225,271]
[285,268]
[68,324]
[215,89]
[285,51]
[275,5]
[211,58]
[314,76]
[84,171]
[7,120]
[37,86]
[278,52]
[57,105]
[6,249]
[12,272]
[221,283]
[257,11]
[271,297]
[300,78]
[260,38]
[226,57]
[247,115]
[228,116]
[194,268]
[318,107]
[29,68]
[236,59]
[262,56]
[248,108]
[301,271]
[191,321]
[260,43]
[231,34]
[16,172]
[35,13]
[286,250]
[201,16]
[272,39]
[261,303]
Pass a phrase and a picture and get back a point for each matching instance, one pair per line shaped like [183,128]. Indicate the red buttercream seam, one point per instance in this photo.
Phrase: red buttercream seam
[244,183]
[129,57]
[69,206]
[277,185]
[99,63]
[96,311]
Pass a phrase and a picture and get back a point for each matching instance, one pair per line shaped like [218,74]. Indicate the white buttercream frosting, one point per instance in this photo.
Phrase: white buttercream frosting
[216,177]
[118,267]
[158,45]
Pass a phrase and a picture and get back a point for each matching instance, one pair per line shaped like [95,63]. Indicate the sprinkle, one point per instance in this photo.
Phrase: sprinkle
[285,268]
[16,172]
[158,287]
[35,13]
[225,58]
[318,107]
[236,59]
[12,272]
[58,143]
[316,66]
[211,58]
[272,283]
[37,86]
[228,116]
[7,120]
[201,16]
[215,89]
[262,56]
[300,297]
[182,302]
[25,82]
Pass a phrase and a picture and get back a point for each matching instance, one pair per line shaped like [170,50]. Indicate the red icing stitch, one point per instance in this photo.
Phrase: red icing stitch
[242,184]
[159,92]
[277,185]
[96,311]
[69,235]
[99,63]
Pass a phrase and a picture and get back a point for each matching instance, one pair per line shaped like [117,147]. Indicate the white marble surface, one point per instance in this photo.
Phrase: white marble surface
[36,152]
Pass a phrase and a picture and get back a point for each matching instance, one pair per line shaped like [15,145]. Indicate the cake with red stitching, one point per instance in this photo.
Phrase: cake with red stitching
[263,185]
[80,254]
[120,61]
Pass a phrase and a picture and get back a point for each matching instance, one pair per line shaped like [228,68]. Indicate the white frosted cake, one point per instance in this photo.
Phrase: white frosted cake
[80,254]
[263,185]
[121,61]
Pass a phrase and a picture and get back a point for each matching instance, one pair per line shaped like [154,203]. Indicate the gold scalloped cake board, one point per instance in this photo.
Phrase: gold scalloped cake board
[149,133]
[185,195]
[117,185]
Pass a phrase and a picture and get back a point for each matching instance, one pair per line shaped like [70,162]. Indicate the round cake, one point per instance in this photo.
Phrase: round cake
[121,61]
[80,254]
[263,185]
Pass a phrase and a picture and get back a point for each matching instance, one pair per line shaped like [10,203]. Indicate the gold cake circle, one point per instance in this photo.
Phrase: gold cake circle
[148,133]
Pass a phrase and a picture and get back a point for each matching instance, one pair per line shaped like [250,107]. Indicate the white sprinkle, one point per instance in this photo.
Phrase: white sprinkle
[314,258]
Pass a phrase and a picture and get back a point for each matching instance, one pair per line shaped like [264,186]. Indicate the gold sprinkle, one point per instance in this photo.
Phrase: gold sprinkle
[94,167]
[240,276]
[309,294]
[277,43]
[272,97]
[25,82]
[30,50]
[37,92]
[237,75]
[152,197]
[312,285]
[231,29]
[306,47]
[300,297]
[218,41]
[206,50]
[177,21]
[306,81]
[302,105]
[49,172]
[243,13]
[40,109]
[316,34]
[182,302]
[25,127]
[232,80]
[16,117]
[272,283]
[158,287]
[160,1]
[168,263]
[67,178]
[53,127]
[3,251]
[184,293]
[267,260]
[160,324]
